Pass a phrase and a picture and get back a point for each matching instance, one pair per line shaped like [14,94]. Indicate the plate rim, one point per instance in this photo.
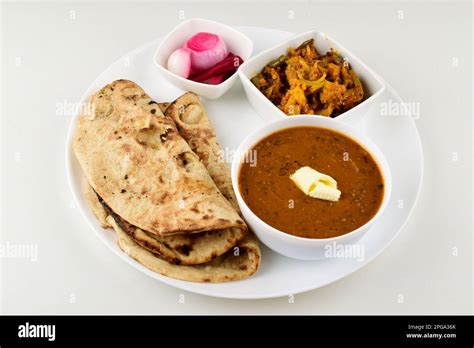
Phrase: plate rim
[185,285]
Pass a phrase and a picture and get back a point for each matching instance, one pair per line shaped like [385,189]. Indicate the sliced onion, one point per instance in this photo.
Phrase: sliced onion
[179,62]
[219,72]
[206,50]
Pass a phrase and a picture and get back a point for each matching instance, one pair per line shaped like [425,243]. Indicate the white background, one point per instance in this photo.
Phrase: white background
[50,55]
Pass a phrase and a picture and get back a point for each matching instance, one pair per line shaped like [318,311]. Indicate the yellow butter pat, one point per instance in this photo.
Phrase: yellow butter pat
[316,184]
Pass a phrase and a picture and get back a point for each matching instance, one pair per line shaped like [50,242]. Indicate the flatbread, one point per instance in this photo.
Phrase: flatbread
[233,265]
[96,206]
[136,160]
[221,254]
[163,106]
[179,249]
[194,126]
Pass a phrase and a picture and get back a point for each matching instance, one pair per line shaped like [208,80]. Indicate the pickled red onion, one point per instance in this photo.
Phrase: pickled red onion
[206,50]
[219,72]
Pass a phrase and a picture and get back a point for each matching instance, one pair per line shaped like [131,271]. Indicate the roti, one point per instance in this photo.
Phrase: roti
[194,126]
[236,264]
[208,254]
[179,249]
[139,164]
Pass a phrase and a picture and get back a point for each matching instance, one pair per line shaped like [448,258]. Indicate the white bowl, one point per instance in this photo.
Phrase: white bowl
[236,42]
[287,244]
[372,83]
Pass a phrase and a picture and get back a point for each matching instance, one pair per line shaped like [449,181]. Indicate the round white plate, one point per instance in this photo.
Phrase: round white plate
[233,119]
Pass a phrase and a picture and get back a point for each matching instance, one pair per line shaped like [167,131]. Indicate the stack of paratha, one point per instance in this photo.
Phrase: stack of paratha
[156,175]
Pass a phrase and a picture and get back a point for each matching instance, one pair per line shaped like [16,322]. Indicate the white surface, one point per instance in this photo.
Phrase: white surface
[278,276]
[383,223]
[50,55]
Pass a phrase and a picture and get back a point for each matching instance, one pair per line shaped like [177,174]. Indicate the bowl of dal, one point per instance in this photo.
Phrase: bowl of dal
[285,214]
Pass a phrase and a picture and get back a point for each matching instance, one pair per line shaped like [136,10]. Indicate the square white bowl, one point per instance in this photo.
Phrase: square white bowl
[236,42]
[373,84]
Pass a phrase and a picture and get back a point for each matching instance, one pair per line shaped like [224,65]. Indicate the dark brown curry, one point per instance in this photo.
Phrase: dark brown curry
[273,197]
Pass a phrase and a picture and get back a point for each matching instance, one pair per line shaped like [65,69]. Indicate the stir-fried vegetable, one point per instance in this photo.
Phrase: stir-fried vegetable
[304,82]
[315,85]
[278,62]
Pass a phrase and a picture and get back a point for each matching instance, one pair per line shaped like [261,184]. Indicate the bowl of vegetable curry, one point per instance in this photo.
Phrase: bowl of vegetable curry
[309,74]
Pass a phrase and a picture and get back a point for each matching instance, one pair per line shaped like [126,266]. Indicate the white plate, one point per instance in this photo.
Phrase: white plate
[233,119]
